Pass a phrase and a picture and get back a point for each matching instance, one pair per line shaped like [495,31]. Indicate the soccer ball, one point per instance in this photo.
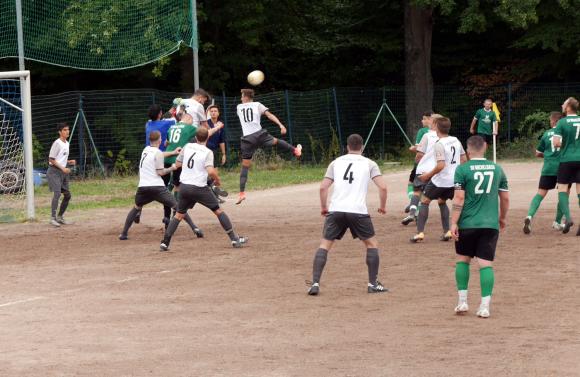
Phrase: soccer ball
[256,78]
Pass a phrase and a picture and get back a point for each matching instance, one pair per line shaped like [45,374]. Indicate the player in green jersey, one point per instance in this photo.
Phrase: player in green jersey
[486,122]
[567,138]
[548,178]
[475,221]
[426,122]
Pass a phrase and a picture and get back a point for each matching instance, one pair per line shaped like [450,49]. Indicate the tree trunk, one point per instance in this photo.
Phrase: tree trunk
[418,79]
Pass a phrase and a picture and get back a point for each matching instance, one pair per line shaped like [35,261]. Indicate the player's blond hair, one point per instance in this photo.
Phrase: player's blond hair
[248,93]
[572,103]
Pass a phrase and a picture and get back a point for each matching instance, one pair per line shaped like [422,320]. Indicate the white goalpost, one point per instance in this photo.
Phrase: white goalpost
[16,158]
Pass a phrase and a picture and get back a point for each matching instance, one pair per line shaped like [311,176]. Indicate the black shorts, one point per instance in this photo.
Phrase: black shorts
[146,195]
[547,182]
[433,192]
[569,172]
[175,176]
[488,138]
[190,195]
[419,184]
[336,224]
[413,174]
[57,180]
[250,143]
[477,242]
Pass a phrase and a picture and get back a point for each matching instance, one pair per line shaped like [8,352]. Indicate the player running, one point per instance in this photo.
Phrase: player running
[426,122]
[58,175]
[425,163]
[548,178]
[196,161]
[151,185]
[486,122]
[254,136]
[449,154]
[567,138]
[475,221]
[351,175]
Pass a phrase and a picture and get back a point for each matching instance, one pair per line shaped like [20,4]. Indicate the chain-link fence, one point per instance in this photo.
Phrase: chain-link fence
[110,125]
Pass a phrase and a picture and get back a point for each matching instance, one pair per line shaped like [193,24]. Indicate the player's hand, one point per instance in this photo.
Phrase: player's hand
[66,171]
[219,125]
[382,211]
[502,224]
[424,178]
[177,151]
[454,232]
[472,131]
[224,158]
[324,211]
[282,130]
[72,162]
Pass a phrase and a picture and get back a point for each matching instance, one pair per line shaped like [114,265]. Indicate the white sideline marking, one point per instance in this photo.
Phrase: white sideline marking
[22,301]
[164,272]
[125,280]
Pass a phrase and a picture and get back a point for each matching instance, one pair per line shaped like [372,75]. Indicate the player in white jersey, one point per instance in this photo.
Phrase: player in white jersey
[448,154]
[255,137]
[425,162]
[194,107]
[151,185]
[350,175]
[58,175]
[196,161]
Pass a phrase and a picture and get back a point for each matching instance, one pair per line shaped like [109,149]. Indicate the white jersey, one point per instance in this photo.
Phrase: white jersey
[59,151]
[426,146]
[151,160]
[250,114]
[351,174]
[195,109]
[195,159]
[450,150]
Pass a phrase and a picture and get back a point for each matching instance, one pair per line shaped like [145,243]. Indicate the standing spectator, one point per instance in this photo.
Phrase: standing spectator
[218,139]
[486,122]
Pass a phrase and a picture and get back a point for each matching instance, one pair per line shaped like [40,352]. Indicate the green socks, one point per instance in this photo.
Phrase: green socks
[535,204]
[563,204]
[410,190]
[559,215]
[462,275]
[486,278]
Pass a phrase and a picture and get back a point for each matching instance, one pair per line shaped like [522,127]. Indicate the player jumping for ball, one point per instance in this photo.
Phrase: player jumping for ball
[567,138]
[449,154]
[475,221]
[351,175]
[255,137]
[196,161]
[151,184]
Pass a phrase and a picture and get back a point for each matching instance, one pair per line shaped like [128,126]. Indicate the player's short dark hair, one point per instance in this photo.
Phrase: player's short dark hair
[488,99]
[167,115]
[572,103]
[213,107]
[555,115]
[476,142]
[354,142]
[248,93]
[61,126]
[154,111]
[202,134]
[444,125]
[428,114]
[154,136]
[201,93]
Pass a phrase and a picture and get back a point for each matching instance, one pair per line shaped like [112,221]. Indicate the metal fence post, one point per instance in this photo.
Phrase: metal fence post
[288,116]
[509,115]
[225,112]
[338,128]
[81,138]
[383,136]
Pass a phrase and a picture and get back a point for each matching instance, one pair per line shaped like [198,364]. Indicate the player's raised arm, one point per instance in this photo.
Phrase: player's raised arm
[275,119]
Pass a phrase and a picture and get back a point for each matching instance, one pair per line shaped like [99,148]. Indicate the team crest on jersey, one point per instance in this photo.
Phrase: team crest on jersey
[486,119]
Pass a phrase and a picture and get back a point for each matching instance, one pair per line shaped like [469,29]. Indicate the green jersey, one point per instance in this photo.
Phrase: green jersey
[420,133]
[481,180]
[177,136]
[485,121]
[551,153]
[568,129]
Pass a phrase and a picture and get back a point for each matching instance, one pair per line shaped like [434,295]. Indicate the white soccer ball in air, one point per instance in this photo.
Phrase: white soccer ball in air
[256,78]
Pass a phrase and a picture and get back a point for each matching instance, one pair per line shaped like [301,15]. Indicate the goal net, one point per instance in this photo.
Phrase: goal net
[16,187]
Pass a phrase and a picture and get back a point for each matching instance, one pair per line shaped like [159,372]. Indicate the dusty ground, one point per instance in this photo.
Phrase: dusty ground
[77,301]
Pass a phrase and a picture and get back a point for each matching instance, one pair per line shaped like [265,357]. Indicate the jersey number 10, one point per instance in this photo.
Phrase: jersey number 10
[248,115]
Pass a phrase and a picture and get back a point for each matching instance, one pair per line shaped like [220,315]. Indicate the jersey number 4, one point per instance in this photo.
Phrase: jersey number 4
[348,177]
[248,115]
[190,162]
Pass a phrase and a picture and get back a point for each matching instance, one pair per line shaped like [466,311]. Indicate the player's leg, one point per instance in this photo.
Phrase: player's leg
[578,195]
[237,241]
[445,215]
[285,146]
[66,196]
[246,163]
[55,180]
[410,187]
[465,249]
[164,197]
[565,171]
[422,219]
[131,216]
[418,187]
[186,200]
[373,262]
[485,253]
[534,205]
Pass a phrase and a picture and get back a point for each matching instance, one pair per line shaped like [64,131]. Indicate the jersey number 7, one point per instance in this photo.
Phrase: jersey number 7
[348,177]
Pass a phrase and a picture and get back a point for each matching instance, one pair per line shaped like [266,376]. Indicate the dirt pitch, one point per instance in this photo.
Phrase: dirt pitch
[77,301]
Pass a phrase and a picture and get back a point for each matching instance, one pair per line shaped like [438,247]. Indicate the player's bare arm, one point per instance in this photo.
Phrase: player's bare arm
[212,131]
[224,155]
[457,207]
[173,152]
[539,154]
[212,172]
[419,156]
[382,185]
[52,162]
[472,127]
[504,205]
[275,119]
[324,186]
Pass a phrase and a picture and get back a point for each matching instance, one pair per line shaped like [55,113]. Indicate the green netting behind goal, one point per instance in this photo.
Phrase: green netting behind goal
[98,34]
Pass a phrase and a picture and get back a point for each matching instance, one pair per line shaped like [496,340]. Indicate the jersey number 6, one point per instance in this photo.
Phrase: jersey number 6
[190,162]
